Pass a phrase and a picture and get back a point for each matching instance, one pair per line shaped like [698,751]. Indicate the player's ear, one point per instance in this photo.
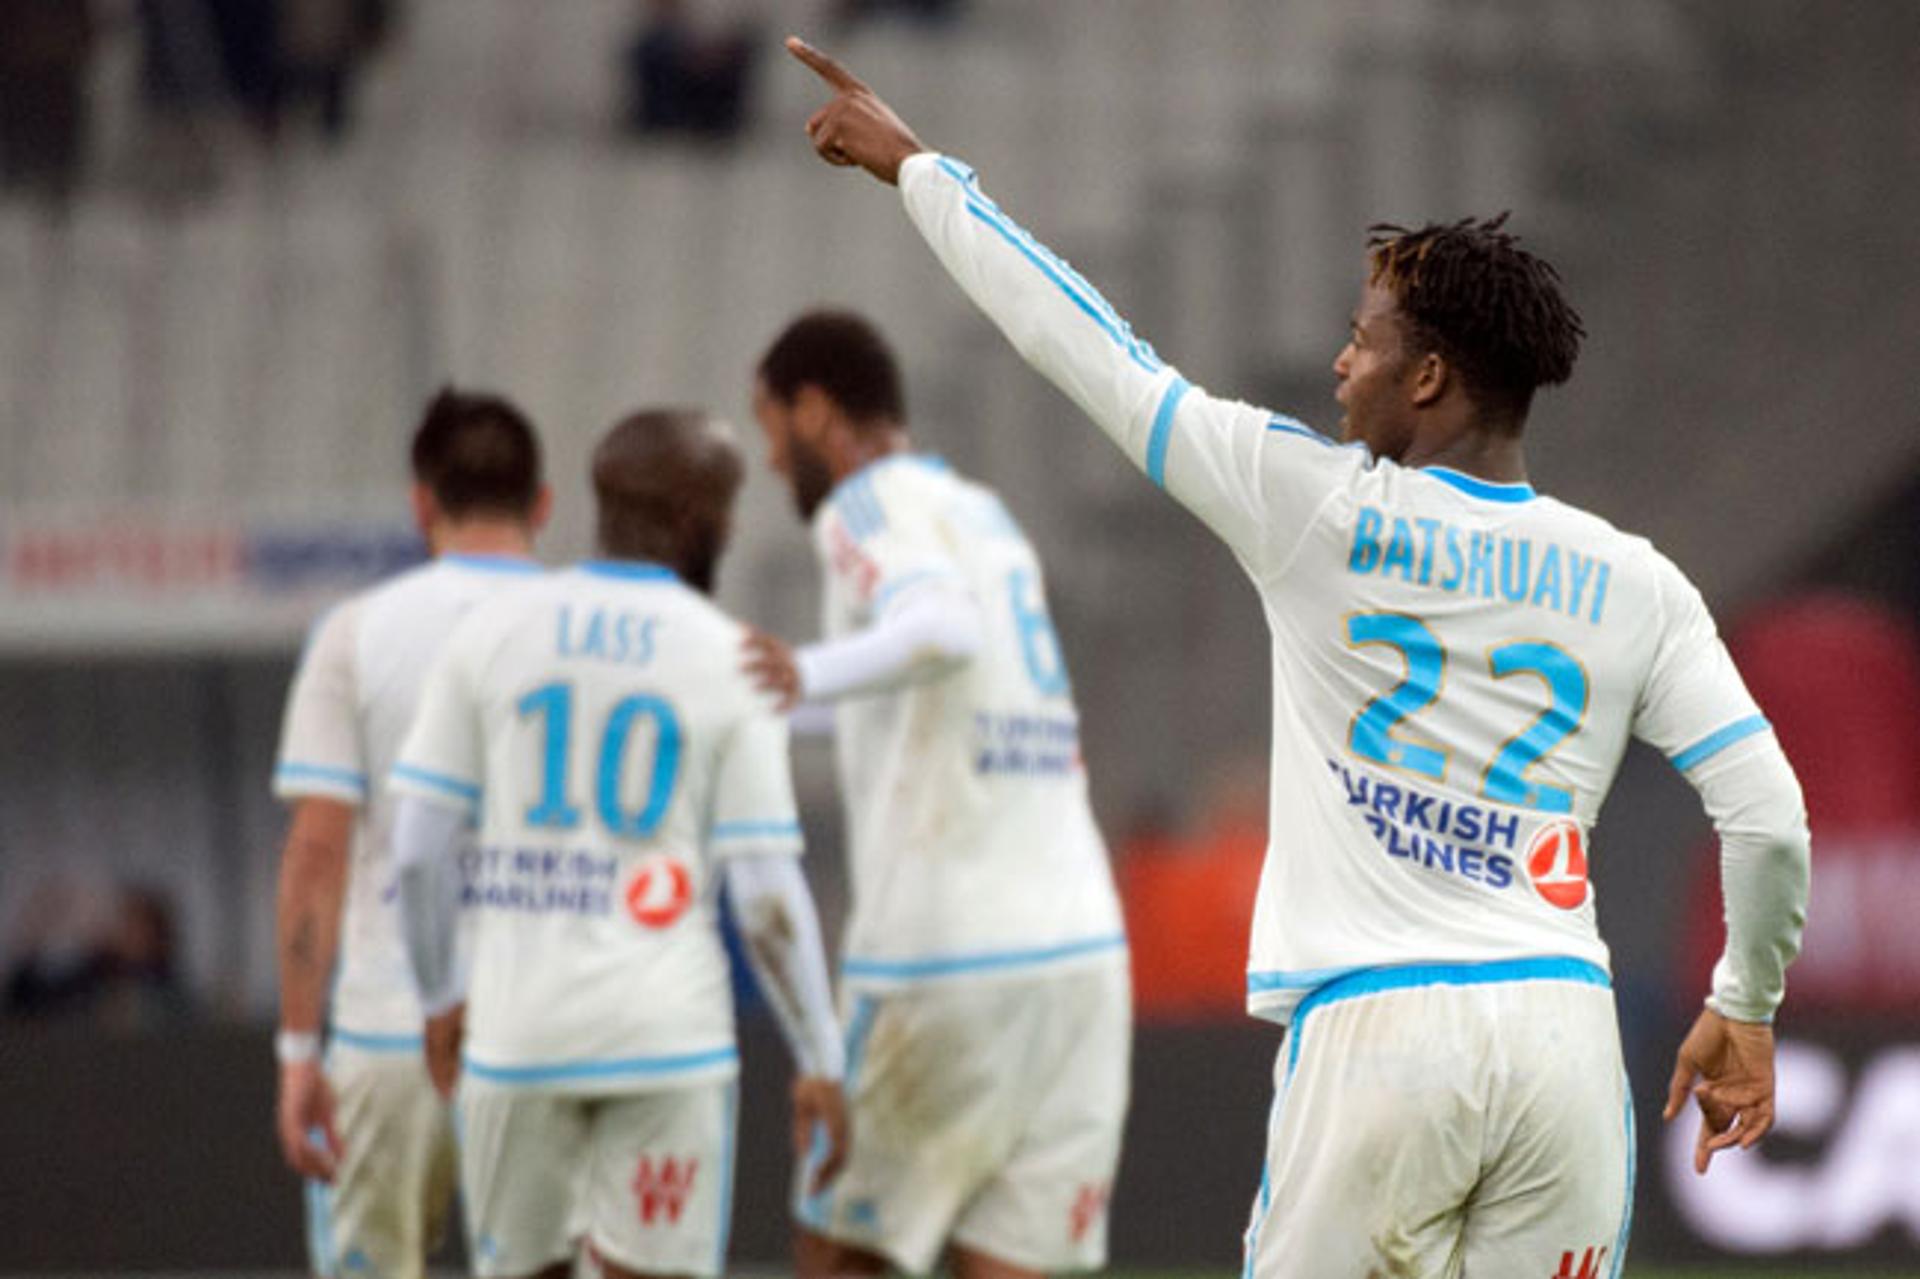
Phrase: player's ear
[426,511]
[542,509]
[813,412]
[1431,376]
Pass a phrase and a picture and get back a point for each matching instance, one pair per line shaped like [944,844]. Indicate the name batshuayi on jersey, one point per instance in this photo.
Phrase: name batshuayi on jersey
[974,851]
[352,699]
[599,728]
[1457,665]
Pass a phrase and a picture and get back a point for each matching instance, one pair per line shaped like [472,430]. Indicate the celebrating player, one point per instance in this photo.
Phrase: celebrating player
[619,766]
[985,971]
[1458,663]
[368,1130]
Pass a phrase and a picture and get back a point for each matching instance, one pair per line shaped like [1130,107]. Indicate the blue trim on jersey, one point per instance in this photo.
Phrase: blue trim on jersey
[1474,486]
[322,773]
[607,1067]
[891,590]
[629,570]
[376,1043]
[725,1230]
[1064,277]
[948,964]
[1626,1217]
[1293,426]
[437,781]
[1373,981]
[753,830]
[494,563]
[1715,742]
[1162,433]
[1300,979]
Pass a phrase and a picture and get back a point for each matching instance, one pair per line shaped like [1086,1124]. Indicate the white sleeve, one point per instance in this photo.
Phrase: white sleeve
[1696,709]
[927,633]
[754,813]
[444,756]
[426,842]
[321,752]
[782,935]
[1256,478]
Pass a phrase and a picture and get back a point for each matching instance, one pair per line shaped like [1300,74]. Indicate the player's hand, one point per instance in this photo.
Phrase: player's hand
[444,1035]
[770,664]
[820,1107]
[1727,1066]
[856,127]
[305,1121]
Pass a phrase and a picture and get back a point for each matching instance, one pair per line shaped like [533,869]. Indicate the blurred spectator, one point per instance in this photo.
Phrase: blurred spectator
[181,86]
[45,49]
[686,80]
[246,34]
[321,44]
[107,956]
[931,12]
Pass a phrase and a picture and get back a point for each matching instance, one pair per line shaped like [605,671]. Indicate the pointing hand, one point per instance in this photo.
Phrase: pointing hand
[856,128]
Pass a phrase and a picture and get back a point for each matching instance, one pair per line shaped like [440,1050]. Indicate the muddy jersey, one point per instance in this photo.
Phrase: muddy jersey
[974,851]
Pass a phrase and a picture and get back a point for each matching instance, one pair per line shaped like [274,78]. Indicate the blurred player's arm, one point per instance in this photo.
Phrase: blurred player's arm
[926,635]
[1698,710]
[756,833]
[1208,453]
[321,772]
[436,785]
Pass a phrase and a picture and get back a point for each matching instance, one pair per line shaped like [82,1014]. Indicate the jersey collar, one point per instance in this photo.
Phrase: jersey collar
[492,563]
[630,570]
[1486,490]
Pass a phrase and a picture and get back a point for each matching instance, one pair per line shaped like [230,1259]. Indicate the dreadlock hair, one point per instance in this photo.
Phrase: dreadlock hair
[1488,307]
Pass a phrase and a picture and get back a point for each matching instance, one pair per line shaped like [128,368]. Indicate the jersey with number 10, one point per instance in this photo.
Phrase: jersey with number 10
[974,850]
[599,727]
[1457,665]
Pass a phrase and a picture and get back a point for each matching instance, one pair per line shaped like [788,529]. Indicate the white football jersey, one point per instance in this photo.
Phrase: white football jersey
[352,701]
[974,850]
[599,727]
[1457,665]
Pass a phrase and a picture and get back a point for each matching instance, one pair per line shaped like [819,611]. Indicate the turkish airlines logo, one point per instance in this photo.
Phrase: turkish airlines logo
[1557,864]
[660,1190]
[659,892]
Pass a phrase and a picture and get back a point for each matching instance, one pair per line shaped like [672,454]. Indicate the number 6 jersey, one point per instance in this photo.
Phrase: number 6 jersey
[1457,664]
[599,728]
[974,850]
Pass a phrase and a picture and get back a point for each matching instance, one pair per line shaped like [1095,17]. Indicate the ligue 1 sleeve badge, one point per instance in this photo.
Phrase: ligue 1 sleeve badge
[659,892]
[1557,864]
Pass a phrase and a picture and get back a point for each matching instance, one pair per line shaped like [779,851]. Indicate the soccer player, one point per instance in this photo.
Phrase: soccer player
[367,1129]
[984,978]
[620,766]
[1458,662]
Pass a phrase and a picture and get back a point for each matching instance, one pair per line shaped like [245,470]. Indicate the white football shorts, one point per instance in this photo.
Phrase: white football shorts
[1435,1120]
[390,1198]
[645,1177]
[985,1114]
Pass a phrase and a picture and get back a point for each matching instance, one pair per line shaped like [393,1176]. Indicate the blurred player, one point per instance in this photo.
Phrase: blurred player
[368,1129]
[620,766]
[985,967]
[1458,663]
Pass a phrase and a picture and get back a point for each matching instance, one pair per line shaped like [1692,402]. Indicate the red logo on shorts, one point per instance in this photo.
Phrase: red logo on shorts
[1593,1264]
[1088,1207]
[661,1189]
[659,892]
[1557,864]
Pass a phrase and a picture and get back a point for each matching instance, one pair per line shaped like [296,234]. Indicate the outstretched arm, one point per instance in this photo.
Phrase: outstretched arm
[1208,453]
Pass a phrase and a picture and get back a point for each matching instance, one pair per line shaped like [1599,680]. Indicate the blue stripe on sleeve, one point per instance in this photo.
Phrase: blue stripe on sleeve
[295,772]
[1162,433]
[437,781]
[1713,743]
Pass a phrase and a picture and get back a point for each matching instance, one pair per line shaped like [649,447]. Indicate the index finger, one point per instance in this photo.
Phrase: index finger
[824,66]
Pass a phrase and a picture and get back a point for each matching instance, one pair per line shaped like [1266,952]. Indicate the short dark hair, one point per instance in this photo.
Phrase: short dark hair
[1488,307]
[845,356]
[477,454]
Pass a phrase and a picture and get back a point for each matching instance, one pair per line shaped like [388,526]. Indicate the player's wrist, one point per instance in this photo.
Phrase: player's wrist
[296,1047]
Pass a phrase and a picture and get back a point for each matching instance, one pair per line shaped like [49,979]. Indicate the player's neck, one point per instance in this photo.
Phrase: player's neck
[1498,458]
[864,449]
[484,537]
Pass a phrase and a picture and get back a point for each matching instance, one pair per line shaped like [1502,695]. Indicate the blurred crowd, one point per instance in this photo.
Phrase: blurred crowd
[101,953]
